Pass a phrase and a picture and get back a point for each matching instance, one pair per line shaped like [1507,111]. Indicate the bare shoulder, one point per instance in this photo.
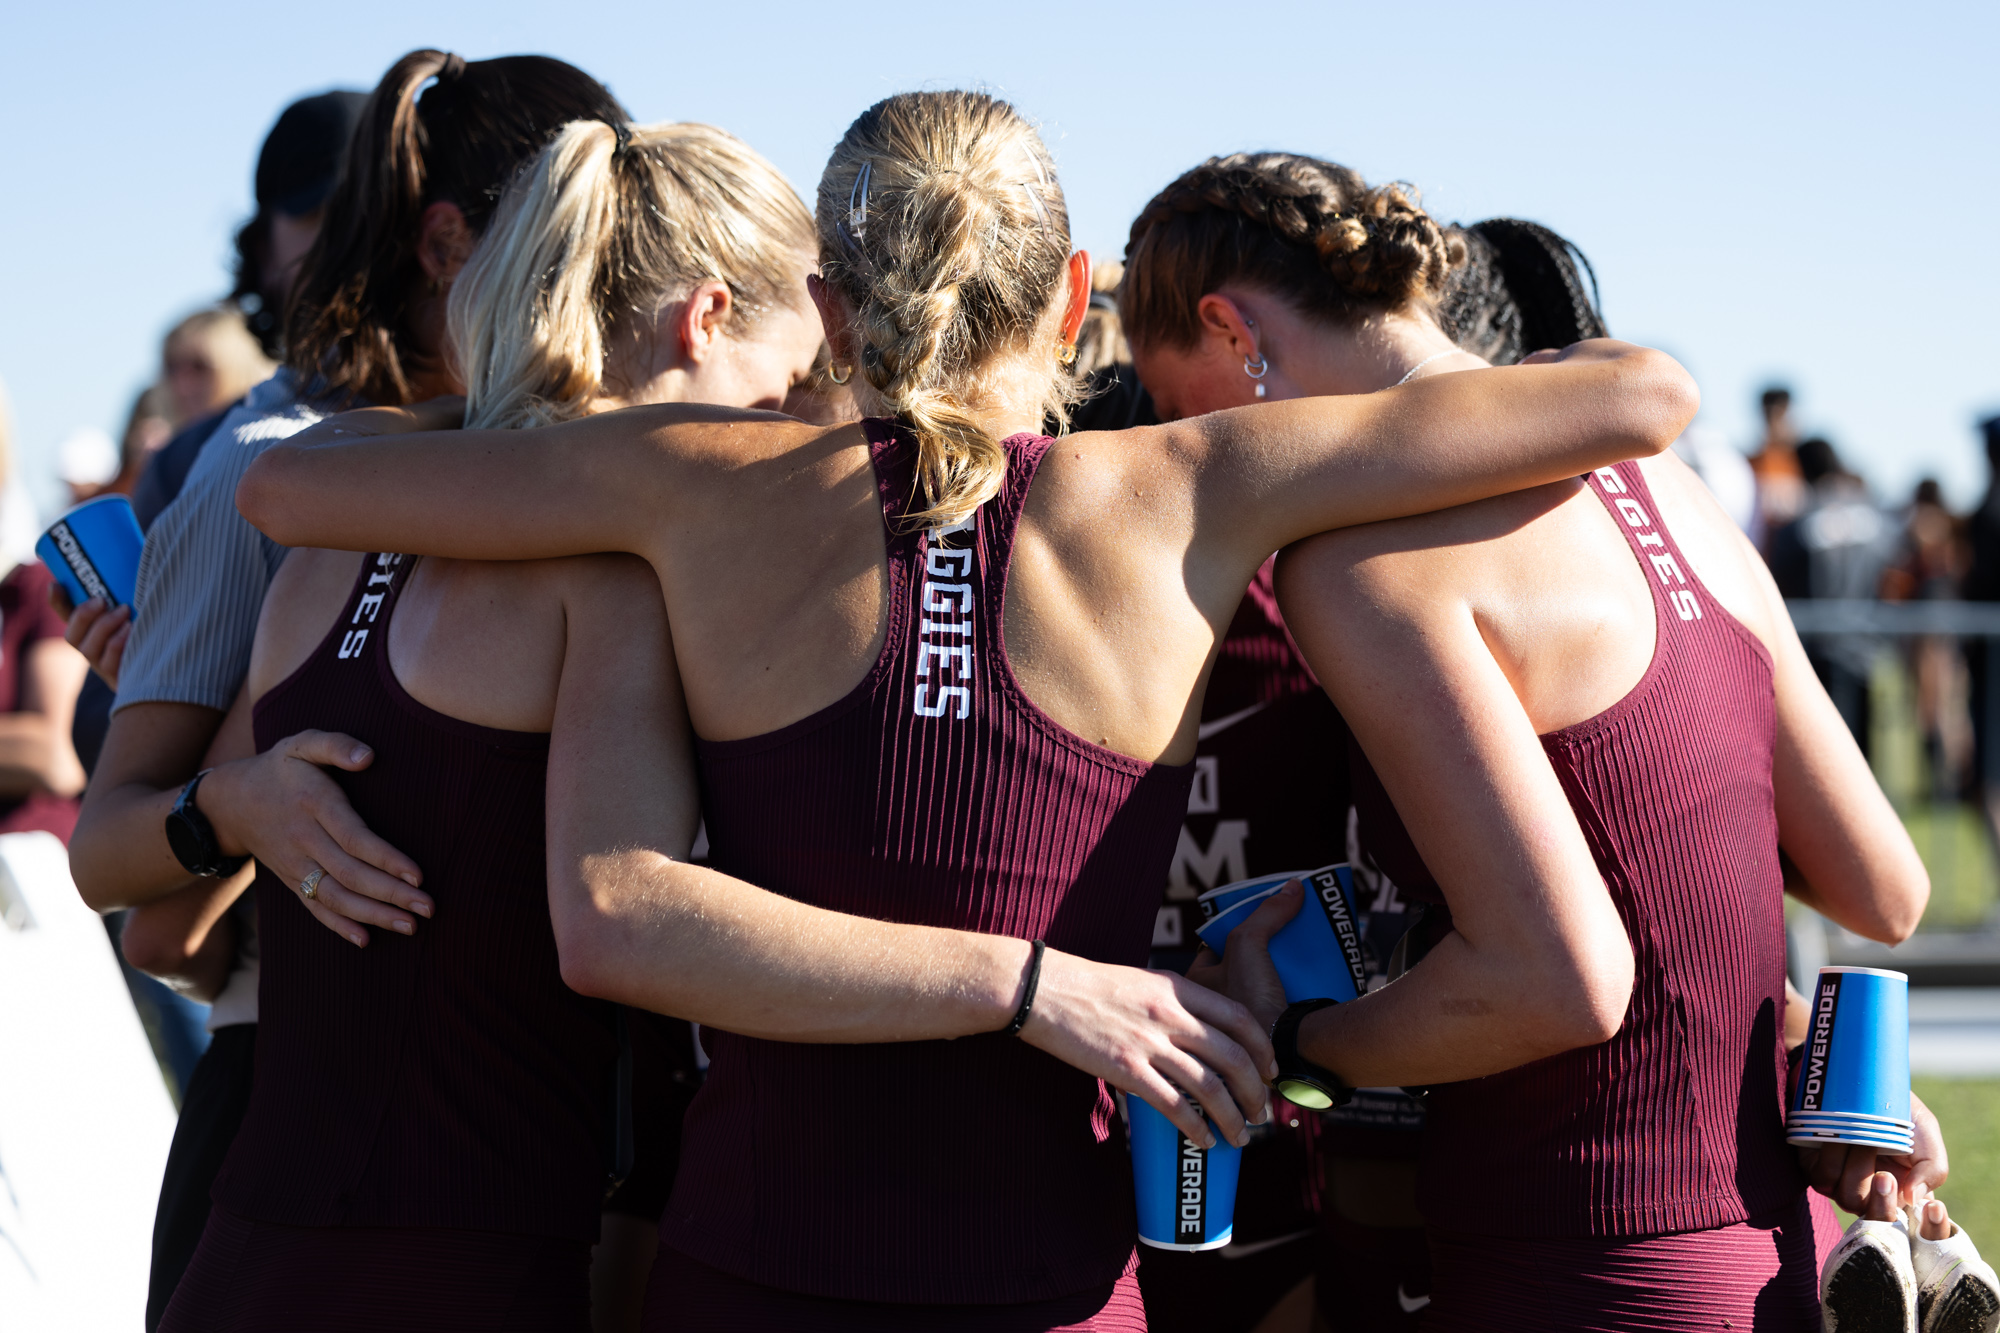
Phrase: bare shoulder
[300,607]
[1424,564]
[1132,483]
[1723,558]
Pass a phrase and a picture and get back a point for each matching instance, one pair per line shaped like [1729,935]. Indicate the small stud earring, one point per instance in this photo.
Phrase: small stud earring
[1262,368]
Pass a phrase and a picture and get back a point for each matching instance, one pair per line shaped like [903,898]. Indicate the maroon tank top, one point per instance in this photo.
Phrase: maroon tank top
[1676,1123]
[936,793]
[447,1079]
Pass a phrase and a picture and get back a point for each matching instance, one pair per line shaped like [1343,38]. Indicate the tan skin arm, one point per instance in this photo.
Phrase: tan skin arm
[119,855]
[1855,862]
[1265,475]
[635,924]
[185,938]
[35,750]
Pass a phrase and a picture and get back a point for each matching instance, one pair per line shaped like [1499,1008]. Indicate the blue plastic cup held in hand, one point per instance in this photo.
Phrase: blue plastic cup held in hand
[1186,1193]
[1318,952]
[1854,1073]
[1217,901]
[93,551]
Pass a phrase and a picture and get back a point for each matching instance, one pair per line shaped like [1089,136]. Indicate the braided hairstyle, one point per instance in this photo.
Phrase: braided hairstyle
[941,223]
[1299,226]
[1521,290]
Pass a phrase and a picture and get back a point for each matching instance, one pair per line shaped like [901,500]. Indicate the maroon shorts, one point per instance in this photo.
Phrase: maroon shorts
[252,1277]
[685,1296]
[1760,1275]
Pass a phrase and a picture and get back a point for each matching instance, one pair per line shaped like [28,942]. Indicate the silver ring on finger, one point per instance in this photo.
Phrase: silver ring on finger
[309,886]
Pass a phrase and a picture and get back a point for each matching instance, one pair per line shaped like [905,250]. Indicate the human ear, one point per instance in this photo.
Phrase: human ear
[833,318]
[1078,281]
[444,242]
[701,318]
[1223,322]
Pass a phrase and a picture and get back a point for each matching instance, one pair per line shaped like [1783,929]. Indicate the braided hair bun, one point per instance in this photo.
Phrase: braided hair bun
[1521,291]
[1300,226]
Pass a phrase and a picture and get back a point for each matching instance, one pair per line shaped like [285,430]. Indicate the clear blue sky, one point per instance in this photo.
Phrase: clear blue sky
[1799,192]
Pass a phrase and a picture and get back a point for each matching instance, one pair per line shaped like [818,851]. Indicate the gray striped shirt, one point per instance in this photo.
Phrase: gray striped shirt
[204,571]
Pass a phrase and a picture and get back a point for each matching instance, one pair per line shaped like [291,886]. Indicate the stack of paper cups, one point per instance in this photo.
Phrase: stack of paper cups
[1854,1074]
[1318,952]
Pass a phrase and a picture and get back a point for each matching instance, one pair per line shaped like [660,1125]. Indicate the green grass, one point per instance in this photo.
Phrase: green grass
[1958,852]
[1968,1111]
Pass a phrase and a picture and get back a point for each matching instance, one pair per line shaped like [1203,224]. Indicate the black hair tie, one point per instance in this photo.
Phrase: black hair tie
[624,133]
[1028,991]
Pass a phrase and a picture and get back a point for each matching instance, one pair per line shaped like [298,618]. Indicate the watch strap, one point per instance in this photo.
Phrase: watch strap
[1299,1079]
[210,860]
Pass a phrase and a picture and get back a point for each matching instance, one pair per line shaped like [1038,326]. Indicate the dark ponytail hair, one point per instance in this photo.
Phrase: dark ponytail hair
[1311,230]
[1521,290]
[436,130]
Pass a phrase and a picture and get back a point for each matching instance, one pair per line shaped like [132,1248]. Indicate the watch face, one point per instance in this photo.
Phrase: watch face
[186,843]
[1301,1093]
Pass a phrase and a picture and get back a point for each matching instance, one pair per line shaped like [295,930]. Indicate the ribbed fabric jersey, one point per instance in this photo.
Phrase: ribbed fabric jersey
[1676,1123]
[448,1079]
[937,793]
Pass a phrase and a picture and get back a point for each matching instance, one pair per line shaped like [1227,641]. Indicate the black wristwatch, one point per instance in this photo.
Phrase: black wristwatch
[193,838]
[1299,1080]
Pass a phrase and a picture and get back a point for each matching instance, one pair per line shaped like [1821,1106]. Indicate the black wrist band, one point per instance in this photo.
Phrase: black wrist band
[1028,991]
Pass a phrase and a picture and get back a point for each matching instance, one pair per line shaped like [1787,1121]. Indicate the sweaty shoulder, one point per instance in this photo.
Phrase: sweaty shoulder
[1722,556]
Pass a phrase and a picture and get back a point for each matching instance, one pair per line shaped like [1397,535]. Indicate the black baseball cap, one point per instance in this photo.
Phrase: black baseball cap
[302,154]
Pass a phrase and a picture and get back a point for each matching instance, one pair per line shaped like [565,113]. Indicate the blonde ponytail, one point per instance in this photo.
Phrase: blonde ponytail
[941,222]
[600,231]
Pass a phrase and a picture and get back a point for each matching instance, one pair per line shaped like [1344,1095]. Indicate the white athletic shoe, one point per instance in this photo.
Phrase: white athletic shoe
[1957,1291]
[1868,1284]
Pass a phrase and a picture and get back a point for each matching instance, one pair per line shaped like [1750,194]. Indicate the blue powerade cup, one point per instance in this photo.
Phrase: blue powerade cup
[1318,953]
[1217,901]
[1186,1193]
[1854,1073]
[93,551]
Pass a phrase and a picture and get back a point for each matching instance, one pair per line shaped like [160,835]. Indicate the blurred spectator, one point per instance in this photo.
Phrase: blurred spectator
[1724,470]
[301,159]
[1781,484]
[1982,584]
[1930,564]
[1113,398]
[1838,547]
[209,361]
[147,430]
[86,460]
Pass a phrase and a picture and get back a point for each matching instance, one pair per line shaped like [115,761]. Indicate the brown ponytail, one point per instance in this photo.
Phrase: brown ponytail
[436,129]
[1307,229]
[941,222]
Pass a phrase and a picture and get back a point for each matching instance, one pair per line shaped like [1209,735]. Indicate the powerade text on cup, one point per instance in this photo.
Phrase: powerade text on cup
[93,551]
[1186,1193]
[1854,1073]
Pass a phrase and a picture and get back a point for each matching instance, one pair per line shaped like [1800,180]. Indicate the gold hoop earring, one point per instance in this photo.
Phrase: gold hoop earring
[839,379]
